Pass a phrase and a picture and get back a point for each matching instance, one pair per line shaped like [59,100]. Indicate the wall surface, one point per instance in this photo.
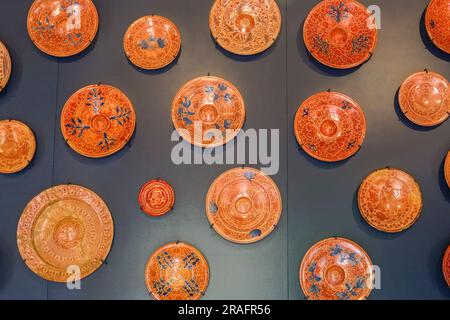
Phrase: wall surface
[319,199]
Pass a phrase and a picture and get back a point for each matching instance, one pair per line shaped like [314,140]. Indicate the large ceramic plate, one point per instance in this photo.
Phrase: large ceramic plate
[447,169]
[98,120]
[446,266]
[330,126]
[336,269]
[208,112]
[437,21]
[245,27]
[340,34]
[425,98]
[5,66]
[390,200]
[62,227]
[17,146]
[243,205]
[177,271]
[152,42]
[62,28]
[156,197]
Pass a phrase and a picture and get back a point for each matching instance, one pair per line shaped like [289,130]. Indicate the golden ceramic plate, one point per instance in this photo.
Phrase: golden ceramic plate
[208,112]
[98,121]
[447,169]
[425,98]
[152,42]
[243,205]
[65,226]
[17,146]
[156,198]
[336,269]
[177,271]
[437,22]
[390,200]
[446,266]
[5,66]
[245,27]
[62,28]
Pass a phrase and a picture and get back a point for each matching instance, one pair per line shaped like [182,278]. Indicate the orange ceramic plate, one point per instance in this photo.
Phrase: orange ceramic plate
[177,271]
[156,197]
[208,112]
[65,226]
[340,34]
[336,269]
[17,146]
[62,28]
[245,27]
[447,169]
[243,205]
[390,200]
[152,42]
[330,126]
[437,20]
[446,266]
[5,66]
[425,98]
[98,120]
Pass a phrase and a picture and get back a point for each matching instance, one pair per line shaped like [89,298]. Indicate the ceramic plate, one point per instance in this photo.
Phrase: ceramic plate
[208,112]
[65,226]
[437,21]
[425,98]
[243,205]
[156,197]
[98,120]
[17,146]
[62,28]
[336,269]
[390,200]
[5,66]
[447,169]
[330,126]
[152,42]
[245,27]
[177,271]
[340,34]
[446,266]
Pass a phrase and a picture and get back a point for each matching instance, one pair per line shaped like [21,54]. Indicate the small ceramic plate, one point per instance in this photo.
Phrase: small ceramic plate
[98,121]
[446,266]
[17,146]
[5,66]
[340,34]
[156,197]
[208,112]
[425,98]
[177,271]
[152,42]
[390,200]
[336,269]
[447,169]
[62,28]
[245,27]
[437,21]
[243,205]
[330,126]
[65,226]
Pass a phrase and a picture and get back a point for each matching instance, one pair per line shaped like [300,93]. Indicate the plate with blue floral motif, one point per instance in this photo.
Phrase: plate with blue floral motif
[336,269]
[98,121]
[208,112]
[152,42]
[243,205]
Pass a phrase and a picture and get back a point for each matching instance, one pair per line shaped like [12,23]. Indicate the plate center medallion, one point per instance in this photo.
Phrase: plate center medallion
[426,99]
[243,205]
[338,36]
[68,233]
[9,148]
[329,128]
[208,114]
[335,275]
[245,22]
[100,123]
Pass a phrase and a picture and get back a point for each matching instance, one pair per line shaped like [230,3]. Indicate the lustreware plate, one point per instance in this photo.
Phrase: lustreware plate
[156,197]
[208,112]
[98,121]
[243,205]
[336,269]
[425,98]
[447,169]
[245,27]
[65,226]
[62,28]
[390,200]
[330,126]
[17,146]
[177,271]
[152,42]
[446,266]
[340,34]
[5,66]
[437,22]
